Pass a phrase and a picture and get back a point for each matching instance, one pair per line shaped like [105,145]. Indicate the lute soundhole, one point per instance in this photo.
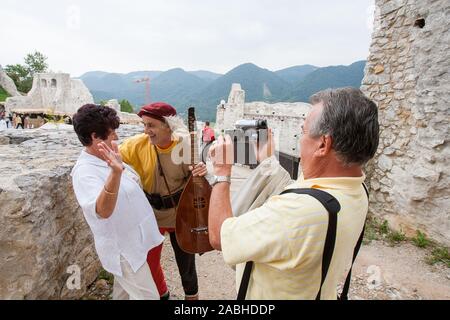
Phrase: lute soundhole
[199,203]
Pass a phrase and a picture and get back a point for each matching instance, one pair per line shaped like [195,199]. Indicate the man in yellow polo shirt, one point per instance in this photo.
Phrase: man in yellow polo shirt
[153,154]
[285,236]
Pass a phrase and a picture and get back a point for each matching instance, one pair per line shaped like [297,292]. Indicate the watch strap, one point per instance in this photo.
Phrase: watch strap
[218,179]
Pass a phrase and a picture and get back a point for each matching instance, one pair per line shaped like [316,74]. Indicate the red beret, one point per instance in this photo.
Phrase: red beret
[158,110]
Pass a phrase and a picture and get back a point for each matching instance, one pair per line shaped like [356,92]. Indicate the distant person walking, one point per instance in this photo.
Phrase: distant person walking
[26,122]
[19,122]
[208,134]
[3,124]
[8,120]
[207,139]
[10,117]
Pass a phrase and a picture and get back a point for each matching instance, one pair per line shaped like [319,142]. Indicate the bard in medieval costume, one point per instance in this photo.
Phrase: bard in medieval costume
[155,157]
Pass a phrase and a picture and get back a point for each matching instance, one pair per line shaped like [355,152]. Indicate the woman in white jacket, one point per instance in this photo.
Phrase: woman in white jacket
[114,205]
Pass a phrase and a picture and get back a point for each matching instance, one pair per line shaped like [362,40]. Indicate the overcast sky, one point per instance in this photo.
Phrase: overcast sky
[215,35]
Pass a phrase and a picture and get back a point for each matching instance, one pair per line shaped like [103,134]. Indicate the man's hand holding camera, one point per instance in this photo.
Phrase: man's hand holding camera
[221,154]
[266,149]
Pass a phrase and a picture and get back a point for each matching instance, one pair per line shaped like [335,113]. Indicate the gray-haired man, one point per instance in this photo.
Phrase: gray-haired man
[285,236]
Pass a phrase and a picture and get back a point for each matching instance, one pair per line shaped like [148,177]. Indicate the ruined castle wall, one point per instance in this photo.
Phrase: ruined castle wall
[285,119]
[407,74]
[228,113]
[55,92]
[220,117]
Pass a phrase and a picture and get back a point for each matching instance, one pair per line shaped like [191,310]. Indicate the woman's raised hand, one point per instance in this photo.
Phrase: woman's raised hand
[111,156]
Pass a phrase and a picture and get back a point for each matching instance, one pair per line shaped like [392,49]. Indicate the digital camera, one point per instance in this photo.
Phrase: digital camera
[247,136]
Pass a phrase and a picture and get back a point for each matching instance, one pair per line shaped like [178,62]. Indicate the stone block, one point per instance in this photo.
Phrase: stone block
[384,163]
[378,69]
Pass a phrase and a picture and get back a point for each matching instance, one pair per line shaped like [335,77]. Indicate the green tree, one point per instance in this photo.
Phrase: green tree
[36,63]
[126,106]
[3,94]
[22,75]
[19,74]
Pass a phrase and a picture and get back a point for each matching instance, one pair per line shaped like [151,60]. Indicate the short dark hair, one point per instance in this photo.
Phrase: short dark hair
[207,123]
[351,119]
[92,118]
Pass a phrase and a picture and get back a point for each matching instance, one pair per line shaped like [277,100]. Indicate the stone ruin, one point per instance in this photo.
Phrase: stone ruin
[53,93]
[408,76]
[114,104]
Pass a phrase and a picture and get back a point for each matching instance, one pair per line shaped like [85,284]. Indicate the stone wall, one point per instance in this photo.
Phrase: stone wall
[285,118]
[42,228]
[56,92]
[407,74]
[232,110]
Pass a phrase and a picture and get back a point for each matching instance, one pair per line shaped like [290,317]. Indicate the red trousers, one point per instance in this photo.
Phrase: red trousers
[154,262]
[185,262]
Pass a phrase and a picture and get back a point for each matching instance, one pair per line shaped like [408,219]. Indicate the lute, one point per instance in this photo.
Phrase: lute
[192,211]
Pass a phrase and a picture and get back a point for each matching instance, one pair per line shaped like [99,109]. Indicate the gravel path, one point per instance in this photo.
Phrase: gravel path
[381,272]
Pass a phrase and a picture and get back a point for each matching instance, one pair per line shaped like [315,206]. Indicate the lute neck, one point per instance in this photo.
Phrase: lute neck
[193,134]
[194,149]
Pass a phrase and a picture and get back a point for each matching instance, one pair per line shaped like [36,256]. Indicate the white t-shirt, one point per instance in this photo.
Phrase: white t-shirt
[131,230]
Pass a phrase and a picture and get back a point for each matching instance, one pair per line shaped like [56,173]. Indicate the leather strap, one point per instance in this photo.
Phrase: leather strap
[245,280]
[159,202]
[333,207]
[344,293]
[164,177]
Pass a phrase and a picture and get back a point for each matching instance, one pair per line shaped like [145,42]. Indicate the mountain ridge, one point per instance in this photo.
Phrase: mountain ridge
[205,89]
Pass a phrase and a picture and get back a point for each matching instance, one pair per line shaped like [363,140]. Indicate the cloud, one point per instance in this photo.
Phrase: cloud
[123,36]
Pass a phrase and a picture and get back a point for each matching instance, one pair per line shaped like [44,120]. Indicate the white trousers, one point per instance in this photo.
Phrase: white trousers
[137,285]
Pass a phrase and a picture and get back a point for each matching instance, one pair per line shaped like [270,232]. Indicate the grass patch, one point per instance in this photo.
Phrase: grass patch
[384,227]
[439,254]
[371,232]
[3,94]
[420,240]
[106,276]
[97,290]
[395,237]
[377,229]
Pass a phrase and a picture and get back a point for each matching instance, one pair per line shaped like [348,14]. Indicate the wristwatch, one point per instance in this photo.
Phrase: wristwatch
[218,179]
